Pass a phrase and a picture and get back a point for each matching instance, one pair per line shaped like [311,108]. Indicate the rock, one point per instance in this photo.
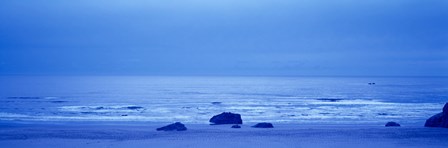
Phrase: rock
[263,125]
[173,127]
[236,126]
[226,118]
[391,124]
[445,109]
[439,120]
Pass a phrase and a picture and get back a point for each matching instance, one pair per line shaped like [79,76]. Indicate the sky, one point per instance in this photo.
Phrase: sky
[224,37]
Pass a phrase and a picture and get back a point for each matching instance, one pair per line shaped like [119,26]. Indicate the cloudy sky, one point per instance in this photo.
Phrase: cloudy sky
[224,37]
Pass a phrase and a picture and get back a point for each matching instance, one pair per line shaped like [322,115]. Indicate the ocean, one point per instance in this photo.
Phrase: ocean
[298,100]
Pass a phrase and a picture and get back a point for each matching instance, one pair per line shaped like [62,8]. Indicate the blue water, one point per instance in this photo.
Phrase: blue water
[408,100]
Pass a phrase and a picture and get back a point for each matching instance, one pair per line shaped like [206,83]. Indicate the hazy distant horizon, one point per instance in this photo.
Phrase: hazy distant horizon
[210,75]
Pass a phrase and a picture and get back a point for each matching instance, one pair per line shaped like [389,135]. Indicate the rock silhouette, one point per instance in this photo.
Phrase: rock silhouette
[173,127]
[227,118]
[439,120]
[391,124]
[263,125]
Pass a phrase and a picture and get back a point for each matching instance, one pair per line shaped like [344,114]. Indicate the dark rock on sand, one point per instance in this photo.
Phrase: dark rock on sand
[263,125]
[439,120]
[391,124]
[227,118]
[173,127]
[236,126]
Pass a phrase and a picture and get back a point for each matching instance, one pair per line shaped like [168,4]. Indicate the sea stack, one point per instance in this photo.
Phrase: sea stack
[439,120]
[226,118]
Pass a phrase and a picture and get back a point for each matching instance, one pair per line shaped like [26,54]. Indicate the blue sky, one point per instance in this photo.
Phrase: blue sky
[224,37]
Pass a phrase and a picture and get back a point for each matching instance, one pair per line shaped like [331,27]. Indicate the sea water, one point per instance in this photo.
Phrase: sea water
[326,100]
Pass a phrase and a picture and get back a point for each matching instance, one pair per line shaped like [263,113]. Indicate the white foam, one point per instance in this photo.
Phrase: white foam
[100,108]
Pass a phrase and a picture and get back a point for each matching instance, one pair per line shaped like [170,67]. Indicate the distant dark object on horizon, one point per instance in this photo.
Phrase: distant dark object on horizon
[439,120]
[173,127]
[329,99]
[227,118]
[263,125]
[236,126]
[371,83]
[216,103]
[392,124]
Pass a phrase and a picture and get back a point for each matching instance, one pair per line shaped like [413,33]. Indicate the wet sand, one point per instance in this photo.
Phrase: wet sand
[103,134]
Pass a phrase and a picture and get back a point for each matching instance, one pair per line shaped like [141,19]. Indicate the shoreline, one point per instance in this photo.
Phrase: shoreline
[317,123]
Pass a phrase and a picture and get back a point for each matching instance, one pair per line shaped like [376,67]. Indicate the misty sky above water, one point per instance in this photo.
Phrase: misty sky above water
[224,37]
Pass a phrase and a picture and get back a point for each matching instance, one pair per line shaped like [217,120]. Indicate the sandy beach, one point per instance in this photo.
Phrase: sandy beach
[98,135]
